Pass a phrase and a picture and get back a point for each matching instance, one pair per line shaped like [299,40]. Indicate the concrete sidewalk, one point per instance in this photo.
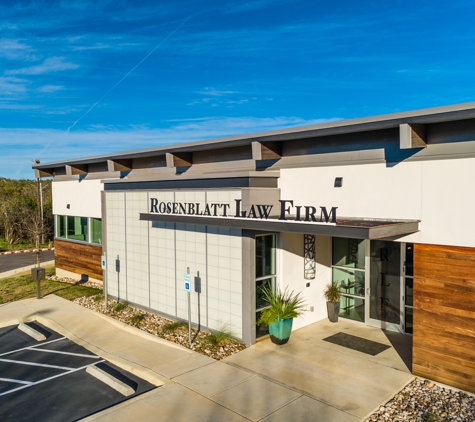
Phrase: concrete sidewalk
[299,381]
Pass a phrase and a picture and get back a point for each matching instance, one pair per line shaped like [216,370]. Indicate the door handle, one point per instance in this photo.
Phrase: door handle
[368,291]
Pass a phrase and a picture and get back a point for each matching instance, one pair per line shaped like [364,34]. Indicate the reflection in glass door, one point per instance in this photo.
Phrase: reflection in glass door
[348,270]
[385,284]
[265,275]
[408,268]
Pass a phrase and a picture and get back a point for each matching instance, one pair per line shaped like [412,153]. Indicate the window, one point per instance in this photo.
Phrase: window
[409,285]
[265,275]
[348,270]
[61,225]
[77,228]
[83,229]
[96,230]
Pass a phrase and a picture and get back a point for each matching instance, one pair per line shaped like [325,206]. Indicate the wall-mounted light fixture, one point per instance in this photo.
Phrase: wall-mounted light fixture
[338,182]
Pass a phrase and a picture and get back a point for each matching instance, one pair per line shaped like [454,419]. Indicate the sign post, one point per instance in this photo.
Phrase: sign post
[187,286]
[104,278]
[117,268]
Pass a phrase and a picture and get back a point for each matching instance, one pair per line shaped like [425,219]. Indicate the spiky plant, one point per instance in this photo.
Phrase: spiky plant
[282,304]
[224,334]
[332,292]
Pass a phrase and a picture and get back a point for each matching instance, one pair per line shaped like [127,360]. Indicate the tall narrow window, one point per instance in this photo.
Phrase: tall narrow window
[348,270]
[409,284]
[265,275]
[96,230]
[61,226]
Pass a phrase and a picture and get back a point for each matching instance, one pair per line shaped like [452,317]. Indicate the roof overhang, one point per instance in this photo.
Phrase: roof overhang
[357,228]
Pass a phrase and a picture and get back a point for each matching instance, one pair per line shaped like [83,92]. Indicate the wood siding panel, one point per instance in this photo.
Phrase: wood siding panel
[444,314]
[78,258]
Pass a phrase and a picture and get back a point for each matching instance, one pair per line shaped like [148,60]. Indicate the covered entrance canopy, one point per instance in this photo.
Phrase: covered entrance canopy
[357,228]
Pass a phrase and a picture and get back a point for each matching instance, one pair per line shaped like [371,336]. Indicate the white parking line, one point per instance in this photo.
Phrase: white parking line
[46,379]
[63,353]
[16,381]
[29,347]
[21,362]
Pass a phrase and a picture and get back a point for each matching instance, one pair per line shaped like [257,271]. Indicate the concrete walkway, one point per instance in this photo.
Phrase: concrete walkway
[306,380]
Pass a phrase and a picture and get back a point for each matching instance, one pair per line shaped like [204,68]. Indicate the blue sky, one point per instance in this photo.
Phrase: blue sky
[80,78]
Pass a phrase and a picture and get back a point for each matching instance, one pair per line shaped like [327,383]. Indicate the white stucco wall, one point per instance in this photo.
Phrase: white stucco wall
[435,192]
[291,259]
[83,197]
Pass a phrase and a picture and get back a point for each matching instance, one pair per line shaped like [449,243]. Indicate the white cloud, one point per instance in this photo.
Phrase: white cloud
[51,64]
[13,49]
[50,88]
[11,86]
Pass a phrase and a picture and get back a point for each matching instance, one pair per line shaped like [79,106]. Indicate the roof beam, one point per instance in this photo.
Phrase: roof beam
[179,159]
[412,136]
[266,150]
[75,169]
[119,165]
[44,173]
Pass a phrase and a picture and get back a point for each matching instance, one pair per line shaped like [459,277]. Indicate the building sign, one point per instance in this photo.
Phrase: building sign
[257,211]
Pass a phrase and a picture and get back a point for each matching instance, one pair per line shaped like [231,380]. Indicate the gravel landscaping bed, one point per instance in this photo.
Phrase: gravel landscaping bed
[203,342]
[424,401]
[78,282]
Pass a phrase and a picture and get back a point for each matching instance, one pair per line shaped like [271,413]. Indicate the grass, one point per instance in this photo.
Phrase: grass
[22,286]
[136,319]
[173,326]
[120,306]
[222,335]
[4,246]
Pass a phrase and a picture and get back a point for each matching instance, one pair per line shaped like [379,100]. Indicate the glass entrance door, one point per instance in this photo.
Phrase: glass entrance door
[384,305]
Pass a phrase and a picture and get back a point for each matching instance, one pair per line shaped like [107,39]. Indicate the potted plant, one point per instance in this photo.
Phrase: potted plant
[284,306]
[332,294]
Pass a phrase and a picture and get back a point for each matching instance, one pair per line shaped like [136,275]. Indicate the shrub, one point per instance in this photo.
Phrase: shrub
[120,306]
[173,326]
[137,318]
[222,335]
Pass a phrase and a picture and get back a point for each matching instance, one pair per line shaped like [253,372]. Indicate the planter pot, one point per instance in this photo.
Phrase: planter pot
[333,310]
[280,331]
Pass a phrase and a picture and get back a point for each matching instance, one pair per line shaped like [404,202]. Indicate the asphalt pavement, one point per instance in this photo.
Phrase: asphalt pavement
[47,380]
[10,262]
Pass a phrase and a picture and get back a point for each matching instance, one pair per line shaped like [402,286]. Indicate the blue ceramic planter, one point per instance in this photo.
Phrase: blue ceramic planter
[280,331]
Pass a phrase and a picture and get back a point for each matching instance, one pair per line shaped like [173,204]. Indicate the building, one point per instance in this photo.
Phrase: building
[383,205]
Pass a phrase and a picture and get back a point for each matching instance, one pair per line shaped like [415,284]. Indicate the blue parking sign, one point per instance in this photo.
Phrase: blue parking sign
[187,281]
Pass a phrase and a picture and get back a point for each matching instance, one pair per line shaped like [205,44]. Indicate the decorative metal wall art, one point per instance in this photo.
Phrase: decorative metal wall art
[309,256]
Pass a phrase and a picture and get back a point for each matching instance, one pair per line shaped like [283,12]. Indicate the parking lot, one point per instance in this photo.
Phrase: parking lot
[47,380]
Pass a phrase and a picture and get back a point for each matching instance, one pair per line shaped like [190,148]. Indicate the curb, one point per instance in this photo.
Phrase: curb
[133,367]
[23,269]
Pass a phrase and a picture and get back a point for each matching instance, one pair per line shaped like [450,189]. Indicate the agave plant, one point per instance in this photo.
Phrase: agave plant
[283,304]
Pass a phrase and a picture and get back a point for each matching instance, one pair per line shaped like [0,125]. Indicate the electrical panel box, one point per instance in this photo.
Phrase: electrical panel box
[38,273]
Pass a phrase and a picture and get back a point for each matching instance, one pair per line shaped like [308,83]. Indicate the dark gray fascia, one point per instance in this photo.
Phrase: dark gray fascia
[423,116]
[377,230]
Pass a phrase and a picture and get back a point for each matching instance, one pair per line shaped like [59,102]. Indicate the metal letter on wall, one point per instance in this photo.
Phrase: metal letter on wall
[309,256]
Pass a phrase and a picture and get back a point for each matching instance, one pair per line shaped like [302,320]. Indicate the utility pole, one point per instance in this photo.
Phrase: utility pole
[40,215]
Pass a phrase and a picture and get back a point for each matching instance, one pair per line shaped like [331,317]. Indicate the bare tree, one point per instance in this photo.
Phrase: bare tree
[11,219]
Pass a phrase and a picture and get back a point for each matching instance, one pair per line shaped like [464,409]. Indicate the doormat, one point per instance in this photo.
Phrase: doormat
[357,343]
